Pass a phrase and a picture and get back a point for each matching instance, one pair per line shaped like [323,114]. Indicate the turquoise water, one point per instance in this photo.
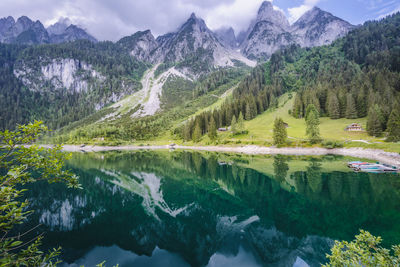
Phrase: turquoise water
[207,209]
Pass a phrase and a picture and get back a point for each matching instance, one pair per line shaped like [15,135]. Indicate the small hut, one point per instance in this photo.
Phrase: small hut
[354,127]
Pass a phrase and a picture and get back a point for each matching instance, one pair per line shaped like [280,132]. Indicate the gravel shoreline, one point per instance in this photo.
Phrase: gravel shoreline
[373,154]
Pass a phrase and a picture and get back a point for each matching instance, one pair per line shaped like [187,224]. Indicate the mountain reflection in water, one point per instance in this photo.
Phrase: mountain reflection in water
[188,209]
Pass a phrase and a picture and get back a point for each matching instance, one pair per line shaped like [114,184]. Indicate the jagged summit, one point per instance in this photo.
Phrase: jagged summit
[26,31]
[271,31]
[266,12]
[318,27]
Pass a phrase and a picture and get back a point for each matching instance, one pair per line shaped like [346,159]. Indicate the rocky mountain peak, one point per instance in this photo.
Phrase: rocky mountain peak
[317,27]
[195,23]
[227,37]
[59,27]
[266,12]
[140,44]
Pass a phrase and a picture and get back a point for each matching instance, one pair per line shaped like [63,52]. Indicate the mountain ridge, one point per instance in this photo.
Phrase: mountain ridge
[26,31]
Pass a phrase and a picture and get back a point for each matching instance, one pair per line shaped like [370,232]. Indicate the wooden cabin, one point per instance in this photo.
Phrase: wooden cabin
[354,127]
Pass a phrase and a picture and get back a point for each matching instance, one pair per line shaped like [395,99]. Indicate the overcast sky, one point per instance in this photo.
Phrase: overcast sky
[113,19]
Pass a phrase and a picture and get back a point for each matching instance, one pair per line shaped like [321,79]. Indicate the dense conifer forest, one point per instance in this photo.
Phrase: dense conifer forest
[355,77]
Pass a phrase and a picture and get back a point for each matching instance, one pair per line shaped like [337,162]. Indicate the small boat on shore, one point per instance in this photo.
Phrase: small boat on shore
[371,167]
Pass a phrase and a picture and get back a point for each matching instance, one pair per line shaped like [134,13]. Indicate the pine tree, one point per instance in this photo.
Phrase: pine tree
[240,124]
[197,133]
[234,129]
[374,123]
[312,123]
[351,111]
[187,131]
[212,129]
[248,112]
[362,104]
[280,133]
[333,107]
[393,126]
[298,107]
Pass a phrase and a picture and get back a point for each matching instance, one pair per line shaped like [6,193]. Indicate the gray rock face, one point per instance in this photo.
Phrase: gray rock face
[192,35]
[271,31]
[268,33]
[317,27]
[227,37]
[25,31]
[194,47]
[140,44]
[59,27]
[71,33]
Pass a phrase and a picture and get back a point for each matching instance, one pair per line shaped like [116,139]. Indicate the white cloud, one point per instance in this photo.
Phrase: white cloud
[111,20]
[237,14]
[296,12]
[384,13]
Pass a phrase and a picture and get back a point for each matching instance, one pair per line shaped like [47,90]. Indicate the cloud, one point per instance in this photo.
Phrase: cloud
[296,12]
[111,20]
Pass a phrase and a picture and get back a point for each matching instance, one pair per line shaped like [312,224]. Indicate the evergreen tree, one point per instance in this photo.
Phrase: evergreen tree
[351,112]
[362,104]
[234,129]
[212,129]
[197,133]
[333,107]
[248,112]
[312,124]
[280,133]
[240,124]
[393,126]
[187,131]
[374,122]
[298,107]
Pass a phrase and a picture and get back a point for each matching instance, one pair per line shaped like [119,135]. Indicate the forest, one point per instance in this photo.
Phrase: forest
[356,76]
[58,108]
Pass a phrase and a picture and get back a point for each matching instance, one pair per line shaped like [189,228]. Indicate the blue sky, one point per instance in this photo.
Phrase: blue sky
[354,11]
[113,19]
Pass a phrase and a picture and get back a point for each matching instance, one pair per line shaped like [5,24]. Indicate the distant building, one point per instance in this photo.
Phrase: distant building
[286,125]
[222,129]
[354,127]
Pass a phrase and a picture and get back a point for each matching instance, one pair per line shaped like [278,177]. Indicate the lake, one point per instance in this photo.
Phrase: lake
[179,208]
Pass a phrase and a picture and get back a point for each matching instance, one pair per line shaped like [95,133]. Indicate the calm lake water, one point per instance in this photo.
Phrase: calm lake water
[208,209]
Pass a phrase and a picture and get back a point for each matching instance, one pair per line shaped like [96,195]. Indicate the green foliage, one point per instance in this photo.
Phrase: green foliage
[351,112]
[58,108]
[234,129]
[393,128]
[279,133]
[17,165]
[365,250]
[196,133]
[240,124]
[312,124]
[332,144]
[212,129]
[374,123]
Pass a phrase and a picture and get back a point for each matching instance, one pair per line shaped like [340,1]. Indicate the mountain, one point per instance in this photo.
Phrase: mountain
[71,33]
[193,48]
[267,33]
[317,27]
[25,31]
[227,37]
[271,31]
[140,45]
[22,31]
[194,41]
